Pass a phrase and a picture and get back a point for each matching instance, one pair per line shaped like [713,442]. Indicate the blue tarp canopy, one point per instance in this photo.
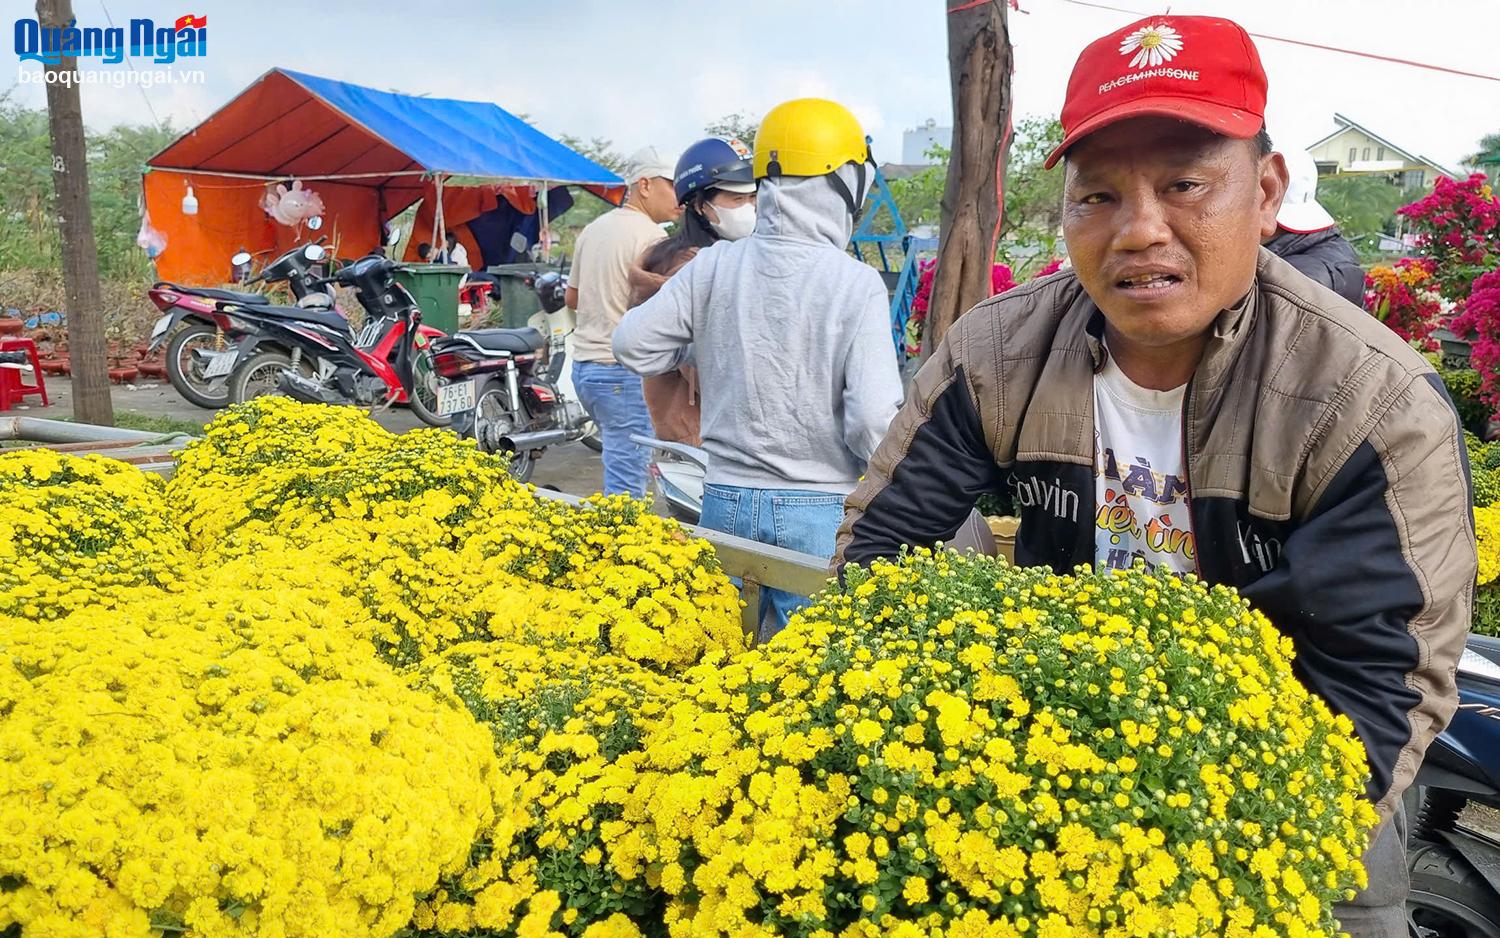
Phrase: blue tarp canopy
[291,124]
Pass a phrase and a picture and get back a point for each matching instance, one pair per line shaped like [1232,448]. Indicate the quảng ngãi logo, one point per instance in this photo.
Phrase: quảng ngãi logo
[1152,45]
[51,45]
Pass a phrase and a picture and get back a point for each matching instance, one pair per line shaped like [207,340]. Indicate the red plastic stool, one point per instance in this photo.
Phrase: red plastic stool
[12,389]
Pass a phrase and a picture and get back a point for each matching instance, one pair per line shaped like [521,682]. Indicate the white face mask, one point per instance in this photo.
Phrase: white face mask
[734,223]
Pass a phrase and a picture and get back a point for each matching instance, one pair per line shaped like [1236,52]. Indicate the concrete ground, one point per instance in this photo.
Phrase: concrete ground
[573,468]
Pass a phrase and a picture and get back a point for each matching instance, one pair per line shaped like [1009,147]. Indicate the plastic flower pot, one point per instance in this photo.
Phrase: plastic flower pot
[11,326]
[123,375]
[1455,351]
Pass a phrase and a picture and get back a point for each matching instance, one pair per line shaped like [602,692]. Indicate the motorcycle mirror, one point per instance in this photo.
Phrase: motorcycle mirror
[241,259]
[393,236]
[315,222]
[314,252]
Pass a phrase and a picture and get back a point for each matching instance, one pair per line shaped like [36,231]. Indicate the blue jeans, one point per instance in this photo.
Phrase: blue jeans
[807,522]
[612,396]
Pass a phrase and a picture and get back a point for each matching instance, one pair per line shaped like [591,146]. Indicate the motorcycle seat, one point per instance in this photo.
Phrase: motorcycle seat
[228,296]
[322,317]
[516,341]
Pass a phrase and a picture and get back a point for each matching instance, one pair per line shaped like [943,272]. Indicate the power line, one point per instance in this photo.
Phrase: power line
[144,96]
[1315,45]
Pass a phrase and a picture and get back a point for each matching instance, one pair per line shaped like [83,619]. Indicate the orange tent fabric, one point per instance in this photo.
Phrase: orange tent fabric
[230,219]
[317,140]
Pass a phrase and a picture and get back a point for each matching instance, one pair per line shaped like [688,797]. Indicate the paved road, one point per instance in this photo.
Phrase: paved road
[574,468]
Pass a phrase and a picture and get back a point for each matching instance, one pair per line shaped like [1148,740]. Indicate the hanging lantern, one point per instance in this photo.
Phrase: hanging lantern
[190,203]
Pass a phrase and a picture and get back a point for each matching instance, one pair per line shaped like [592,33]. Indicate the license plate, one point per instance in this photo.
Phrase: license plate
[455,398]
[161,327]
[219,364]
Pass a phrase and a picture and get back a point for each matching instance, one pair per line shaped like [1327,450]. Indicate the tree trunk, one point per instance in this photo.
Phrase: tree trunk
[979,64]
[70,185]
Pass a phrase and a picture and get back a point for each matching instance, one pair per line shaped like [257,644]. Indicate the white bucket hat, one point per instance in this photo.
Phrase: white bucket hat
[1300,212]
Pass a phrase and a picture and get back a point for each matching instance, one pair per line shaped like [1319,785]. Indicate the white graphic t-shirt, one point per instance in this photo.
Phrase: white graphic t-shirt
[1140,483]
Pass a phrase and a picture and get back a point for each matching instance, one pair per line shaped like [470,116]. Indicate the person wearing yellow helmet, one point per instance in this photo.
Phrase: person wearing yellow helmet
[792,340]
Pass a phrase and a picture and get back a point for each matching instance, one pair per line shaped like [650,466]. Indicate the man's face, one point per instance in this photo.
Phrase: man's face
[657,198]
[1163,221]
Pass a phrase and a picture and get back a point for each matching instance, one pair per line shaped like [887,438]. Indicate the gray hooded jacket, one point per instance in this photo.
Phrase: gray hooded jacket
[792,340]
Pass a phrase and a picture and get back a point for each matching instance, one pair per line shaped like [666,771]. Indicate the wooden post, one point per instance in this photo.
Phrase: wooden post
[70,186]
[979,64]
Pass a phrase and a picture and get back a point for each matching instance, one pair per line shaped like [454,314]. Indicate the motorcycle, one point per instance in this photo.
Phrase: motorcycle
[1454,867]
[677,471]
[199,356]
[503,387]
[388,362]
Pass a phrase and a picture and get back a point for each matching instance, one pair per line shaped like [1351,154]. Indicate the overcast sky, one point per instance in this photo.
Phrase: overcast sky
[655,71]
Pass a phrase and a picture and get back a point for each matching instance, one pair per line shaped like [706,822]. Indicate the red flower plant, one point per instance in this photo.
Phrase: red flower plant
[1481,318]
[1402,297]
[1457,226]
[1001,280]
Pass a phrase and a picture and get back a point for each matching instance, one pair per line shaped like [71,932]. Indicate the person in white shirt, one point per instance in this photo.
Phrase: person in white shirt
[457,253]
[599,290]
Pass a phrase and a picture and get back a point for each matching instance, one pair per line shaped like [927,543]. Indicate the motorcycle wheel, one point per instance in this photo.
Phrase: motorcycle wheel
[594,439]
[492,406]
[423,394]
[259,375]
[1449,898]
[210,395]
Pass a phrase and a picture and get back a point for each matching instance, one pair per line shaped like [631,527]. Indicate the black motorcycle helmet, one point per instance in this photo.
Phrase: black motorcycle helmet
[552,289]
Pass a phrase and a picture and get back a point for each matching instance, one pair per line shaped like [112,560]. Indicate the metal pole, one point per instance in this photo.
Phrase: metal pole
[758,566]
[439,224]
[41,430]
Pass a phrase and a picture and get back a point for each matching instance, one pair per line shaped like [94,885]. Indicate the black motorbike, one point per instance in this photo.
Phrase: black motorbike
[317,357]
[200,335]
[1453,811]
[502,386]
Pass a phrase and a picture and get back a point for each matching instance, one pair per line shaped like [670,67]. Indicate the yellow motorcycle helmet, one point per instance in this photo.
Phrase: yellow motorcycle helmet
[808,137]
[814,137]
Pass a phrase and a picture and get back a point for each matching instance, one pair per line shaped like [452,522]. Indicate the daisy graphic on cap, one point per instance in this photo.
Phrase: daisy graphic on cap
[1152,45]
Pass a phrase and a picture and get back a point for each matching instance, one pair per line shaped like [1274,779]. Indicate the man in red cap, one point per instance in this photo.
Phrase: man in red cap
[1183,398]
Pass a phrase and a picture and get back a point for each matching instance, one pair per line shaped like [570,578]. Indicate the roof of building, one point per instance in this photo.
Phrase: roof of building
[1346,123]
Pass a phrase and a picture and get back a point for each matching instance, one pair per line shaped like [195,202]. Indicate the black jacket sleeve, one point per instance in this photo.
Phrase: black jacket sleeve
[929,470]
[1325,257]
[1376,587]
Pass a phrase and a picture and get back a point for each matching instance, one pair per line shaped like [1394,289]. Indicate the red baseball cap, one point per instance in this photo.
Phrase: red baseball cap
[1200,69]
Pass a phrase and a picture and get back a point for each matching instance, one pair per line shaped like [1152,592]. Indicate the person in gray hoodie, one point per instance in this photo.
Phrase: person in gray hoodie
[791,337]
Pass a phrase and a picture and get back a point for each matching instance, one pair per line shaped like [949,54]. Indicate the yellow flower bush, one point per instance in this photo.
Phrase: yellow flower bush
[957,747]
[440,543]
[1484,465]
[562,722]
[229,762]
[613,574]
[1487,596]
[76,531]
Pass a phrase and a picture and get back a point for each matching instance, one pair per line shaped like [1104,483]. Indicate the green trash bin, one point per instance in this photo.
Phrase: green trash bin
[518,301]
[435,288]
